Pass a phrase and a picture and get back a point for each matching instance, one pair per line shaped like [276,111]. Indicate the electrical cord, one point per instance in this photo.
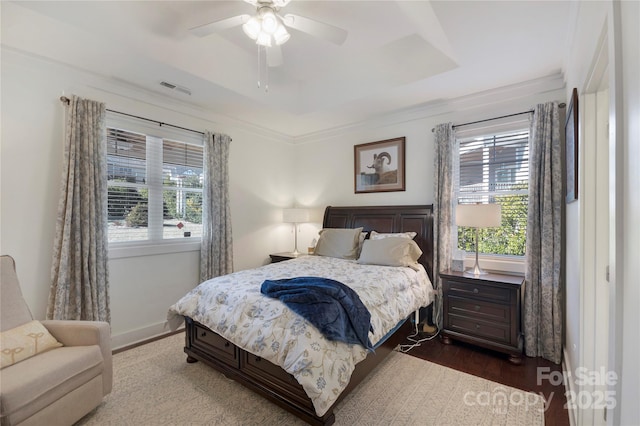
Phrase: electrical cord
[416,342]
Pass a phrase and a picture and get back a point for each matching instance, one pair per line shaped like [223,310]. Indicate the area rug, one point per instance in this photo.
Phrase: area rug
[154,385]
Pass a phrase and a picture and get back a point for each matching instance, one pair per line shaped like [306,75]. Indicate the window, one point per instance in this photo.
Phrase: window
[494,168]
[154,186]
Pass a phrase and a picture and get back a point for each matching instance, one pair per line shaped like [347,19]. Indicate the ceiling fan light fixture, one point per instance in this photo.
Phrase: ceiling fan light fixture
[269,22]
[252,28]
[264,39]
[281,35]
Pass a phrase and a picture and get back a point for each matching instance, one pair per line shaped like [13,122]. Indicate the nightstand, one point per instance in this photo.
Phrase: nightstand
[484,311]
[287,255]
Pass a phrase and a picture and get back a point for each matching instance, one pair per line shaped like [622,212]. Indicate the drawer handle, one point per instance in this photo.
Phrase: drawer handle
[258,359]
[475,291]
[203,334]
[477,308]
[227,344]
[477,326]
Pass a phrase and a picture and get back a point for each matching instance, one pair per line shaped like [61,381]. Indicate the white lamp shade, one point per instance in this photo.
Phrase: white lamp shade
[269,22]
[478,215]
[281,35]
[295,215]
[252,28]
[264,39]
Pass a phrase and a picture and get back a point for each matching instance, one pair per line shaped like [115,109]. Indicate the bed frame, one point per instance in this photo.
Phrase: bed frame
[271,381]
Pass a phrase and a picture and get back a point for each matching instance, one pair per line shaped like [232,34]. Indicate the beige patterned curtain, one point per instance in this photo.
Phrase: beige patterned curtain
[79,279]
[442,209]
[216,250]
[543,296]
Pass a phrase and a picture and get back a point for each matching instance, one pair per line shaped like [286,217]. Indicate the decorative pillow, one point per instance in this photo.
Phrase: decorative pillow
[391,251]
[24,342]
[339,242]
[363,236]
[377,235]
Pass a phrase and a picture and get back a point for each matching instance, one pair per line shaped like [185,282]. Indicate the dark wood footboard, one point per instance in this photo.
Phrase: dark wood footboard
[268,379]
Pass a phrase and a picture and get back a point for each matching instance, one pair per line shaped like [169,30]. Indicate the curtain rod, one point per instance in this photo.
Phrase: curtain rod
[66,100]
[562,105]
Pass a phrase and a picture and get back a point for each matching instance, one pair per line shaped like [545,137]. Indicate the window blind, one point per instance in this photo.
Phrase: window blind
[154,187]
[494,168]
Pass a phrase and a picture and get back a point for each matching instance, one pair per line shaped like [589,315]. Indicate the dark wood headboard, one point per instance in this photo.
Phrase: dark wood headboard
[418,219]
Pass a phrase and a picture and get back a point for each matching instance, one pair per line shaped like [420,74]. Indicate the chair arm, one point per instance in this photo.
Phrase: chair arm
[85,333]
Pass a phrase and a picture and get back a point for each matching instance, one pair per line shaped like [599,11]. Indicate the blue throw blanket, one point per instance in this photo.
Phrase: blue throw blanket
[332,307]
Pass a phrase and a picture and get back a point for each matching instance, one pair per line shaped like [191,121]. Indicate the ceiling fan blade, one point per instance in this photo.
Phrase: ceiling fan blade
[315,28]
[214,27]
[274,56]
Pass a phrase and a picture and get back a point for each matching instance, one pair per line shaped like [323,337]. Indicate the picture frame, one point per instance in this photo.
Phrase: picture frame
[379,166]
[571,148]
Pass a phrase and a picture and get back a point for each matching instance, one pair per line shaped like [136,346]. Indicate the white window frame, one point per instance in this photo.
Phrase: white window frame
[156,245]
[502,263]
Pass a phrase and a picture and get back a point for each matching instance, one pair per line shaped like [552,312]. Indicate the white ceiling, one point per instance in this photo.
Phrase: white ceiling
[398,54]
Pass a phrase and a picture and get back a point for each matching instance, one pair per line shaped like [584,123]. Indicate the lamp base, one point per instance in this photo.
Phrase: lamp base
[476,271]
[472,272]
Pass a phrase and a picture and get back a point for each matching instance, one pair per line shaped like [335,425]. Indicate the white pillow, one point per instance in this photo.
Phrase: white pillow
[377,235]
[342,243]
[390,251]
[361,238]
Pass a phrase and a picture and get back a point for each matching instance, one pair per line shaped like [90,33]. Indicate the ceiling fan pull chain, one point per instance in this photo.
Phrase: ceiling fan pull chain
[266,72]
[259,68]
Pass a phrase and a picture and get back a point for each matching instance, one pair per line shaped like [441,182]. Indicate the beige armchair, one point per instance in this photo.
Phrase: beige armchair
[60,385]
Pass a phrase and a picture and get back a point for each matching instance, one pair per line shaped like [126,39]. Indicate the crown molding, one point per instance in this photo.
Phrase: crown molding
[473,101]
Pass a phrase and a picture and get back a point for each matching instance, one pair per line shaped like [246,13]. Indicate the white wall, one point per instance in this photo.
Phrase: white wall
[591,19]
[142,288]
[620,22]
[629,60]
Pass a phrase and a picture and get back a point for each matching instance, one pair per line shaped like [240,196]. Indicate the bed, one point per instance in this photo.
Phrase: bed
[236,330]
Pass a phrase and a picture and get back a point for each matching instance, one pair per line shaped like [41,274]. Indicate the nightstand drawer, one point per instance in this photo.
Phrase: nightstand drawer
[477,291]
[492,331]
[478,309]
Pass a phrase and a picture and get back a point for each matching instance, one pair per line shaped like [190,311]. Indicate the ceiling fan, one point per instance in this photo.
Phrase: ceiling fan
[269,29]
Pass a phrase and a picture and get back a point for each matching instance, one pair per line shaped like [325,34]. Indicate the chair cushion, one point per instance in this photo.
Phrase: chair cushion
[34,383]
[24,342]
[13,309]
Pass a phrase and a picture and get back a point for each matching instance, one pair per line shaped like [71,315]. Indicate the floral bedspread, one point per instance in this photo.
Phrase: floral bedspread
[233,306]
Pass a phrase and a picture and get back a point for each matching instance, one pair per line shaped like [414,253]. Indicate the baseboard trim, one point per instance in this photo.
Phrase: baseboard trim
[569,386]
[140,336]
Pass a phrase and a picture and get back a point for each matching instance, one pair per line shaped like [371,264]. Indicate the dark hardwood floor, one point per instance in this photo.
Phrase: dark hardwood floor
[495,366]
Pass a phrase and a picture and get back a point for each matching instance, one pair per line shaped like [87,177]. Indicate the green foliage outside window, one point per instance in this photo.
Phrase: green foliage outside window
[193,210]
[509,239]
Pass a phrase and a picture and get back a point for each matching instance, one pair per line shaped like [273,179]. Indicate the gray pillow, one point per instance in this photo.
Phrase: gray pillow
[342,243]
[390,251]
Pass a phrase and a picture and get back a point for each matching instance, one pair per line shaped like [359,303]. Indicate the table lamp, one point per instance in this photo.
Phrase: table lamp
[478,216]
[295,216]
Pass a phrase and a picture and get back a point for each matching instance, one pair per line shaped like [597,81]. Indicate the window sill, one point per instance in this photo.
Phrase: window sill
[135,249]
[508,264]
